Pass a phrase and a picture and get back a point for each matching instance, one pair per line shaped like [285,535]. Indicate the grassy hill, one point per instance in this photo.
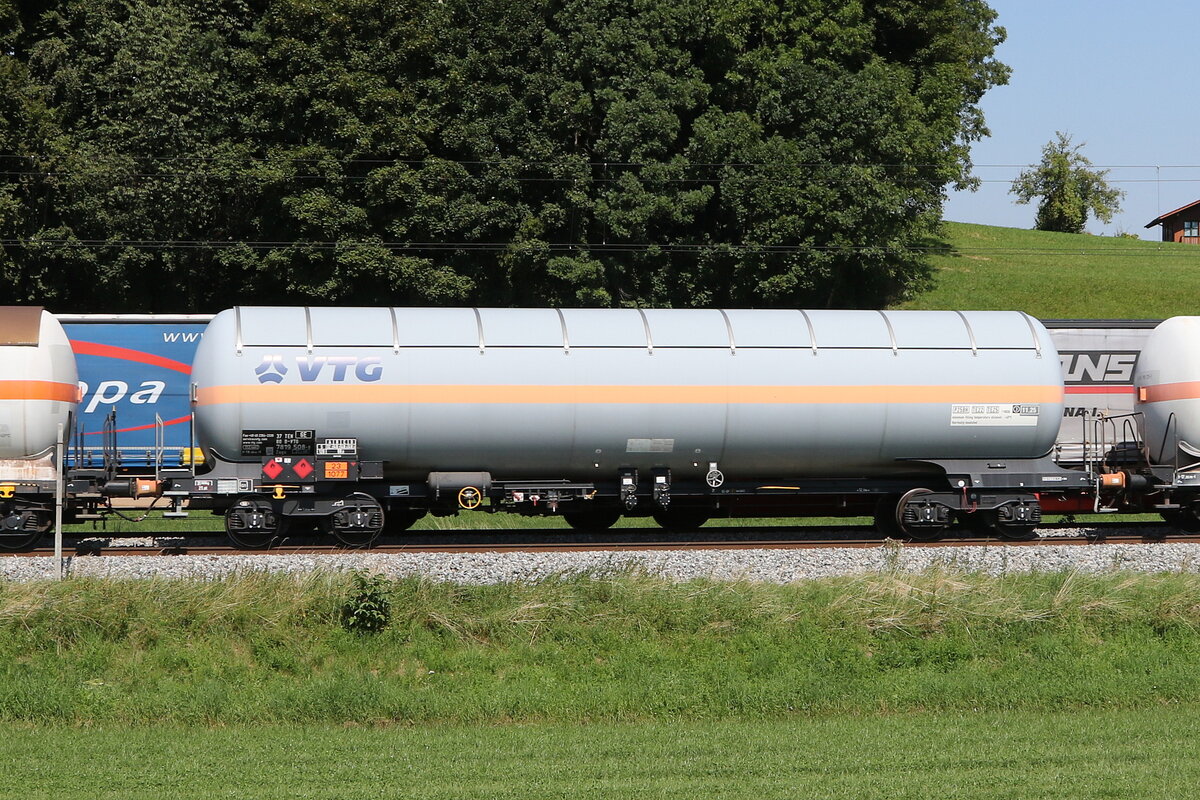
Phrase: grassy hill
[1062,275]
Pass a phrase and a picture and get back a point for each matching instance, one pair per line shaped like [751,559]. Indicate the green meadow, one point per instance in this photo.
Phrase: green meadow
[969,755]
[1061,275]
[617,685]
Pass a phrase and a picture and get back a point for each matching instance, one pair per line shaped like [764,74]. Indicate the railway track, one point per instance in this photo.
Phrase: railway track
[171,544]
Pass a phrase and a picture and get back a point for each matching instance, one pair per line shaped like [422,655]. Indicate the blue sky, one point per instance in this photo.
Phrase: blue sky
[1122,77]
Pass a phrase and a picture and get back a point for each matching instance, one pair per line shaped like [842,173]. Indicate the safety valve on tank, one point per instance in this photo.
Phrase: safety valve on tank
[629,479]
[662,488]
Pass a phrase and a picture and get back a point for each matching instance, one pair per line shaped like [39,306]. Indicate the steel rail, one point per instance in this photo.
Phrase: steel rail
[93,548]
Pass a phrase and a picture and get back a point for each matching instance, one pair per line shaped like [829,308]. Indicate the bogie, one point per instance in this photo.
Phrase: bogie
[21,529]
[357,521]
[253,523]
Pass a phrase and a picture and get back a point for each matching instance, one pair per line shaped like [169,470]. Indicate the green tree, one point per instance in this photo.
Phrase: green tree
[187,154]
[1068,187]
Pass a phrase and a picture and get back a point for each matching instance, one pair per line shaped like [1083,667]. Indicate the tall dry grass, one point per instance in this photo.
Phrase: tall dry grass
[270,648]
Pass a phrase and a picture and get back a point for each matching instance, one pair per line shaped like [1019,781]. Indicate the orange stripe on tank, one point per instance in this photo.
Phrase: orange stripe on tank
[1185,390]
[625,395]
[39,390]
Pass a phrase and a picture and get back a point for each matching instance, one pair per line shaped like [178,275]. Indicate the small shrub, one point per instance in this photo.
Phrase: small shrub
[368,608]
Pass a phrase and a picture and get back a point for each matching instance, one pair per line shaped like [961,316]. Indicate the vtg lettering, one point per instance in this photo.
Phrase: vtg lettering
[337,368]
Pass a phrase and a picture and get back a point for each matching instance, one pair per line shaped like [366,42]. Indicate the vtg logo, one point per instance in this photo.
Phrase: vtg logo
[272,368]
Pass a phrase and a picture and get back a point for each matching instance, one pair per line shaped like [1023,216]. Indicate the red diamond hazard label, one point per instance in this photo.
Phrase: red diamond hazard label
[272,469]
[302,468]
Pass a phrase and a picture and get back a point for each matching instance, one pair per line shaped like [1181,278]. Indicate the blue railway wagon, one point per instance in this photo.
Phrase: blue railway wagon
[138,365]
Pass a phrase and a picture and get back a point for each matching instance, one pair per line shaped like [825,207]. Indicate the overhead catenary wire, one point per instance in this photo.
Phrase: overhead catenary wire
[569,172]
[117,167]
[696,181]
[617,247]
[568,161]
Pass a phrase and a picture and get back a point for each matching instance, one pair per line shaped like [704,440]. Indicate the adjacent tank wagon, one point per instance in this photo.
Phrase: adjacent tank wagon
[1168,391]
[1167,383]
[38,395]
[353,415]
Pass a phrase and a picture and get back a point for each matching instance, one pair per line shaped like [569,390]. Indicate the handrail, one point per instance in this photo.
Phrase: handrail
[1111,432]
[1171,423]
[112,456]
[160,445]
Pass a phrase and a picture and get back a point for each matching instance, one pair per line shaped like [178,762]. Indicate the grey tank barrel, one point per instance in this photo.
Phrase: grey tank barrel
[581,393]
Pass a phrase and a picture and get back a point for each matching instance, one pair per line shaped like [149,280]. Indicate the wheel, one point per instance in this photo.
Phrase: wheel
[357,523]
[591,521]
[1185,519]
[21,530]
[1016,533]
[252,524]
[916,518]
[681,521]
[355,540]
[988,523]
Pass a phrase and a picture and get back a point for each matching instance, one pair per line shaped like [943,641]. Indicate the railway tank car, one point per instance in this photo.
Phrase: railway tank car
[350,416]
[38,394]
[1167,383]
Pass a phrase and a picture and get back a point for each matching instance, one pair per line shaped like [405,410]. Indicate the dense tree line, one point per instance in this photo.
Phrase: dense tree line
[188,154]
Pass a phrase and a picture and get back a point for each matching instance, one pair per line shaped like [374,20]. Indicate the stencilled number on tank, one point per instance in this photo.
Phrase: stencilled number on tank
[990,414]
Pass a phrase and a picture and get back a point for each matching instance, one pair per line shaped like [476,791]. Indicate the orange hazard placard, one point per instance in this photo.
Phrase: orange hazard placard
[337,469]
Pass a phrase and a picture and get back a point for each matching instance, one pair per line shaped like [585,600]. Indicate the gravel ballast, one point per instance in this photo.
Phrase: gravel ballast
[765,565]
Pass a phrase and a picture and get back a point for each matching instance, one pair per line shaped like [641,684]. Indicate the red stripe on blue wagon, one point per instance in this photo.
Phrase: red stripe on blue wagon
[82,348]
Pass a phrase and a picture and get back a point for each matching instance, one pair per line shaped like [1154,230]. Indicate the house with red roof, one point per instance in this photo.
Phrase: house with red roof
[1180,225]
